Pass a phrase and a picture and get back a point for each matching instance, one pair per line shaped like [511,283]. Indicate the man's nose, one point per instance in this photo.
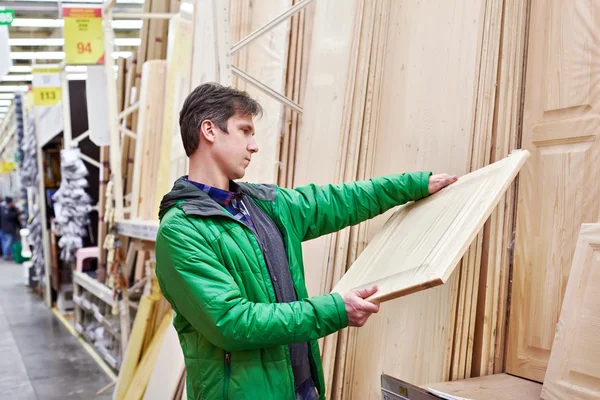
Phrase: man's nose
[252,145]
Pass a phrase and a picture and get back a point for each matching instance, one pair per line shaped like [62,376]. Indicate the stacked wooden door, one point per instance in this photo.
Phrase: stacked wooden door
[560,184]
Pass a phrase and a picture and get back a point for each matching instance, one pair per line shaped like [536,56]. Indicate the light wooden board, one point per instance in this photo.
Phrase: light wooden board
[179,59]
[145,368]
[167,370]
[148,141]
[134,349]
[420,245]
[265,59]
[574,365]
[559,188]
[491,387]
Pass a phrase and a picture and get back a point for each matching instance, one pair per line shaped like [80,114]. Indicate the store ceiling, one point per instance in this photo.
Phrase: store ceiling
[36,38]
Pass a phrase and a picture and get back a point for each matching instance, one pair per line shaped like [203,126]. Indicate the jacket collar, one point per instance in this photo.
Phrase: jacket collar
[194,201]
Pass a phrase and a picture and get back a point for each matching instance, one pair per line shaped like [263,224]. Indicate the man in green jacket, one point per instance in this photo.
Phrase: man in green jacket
[229,258]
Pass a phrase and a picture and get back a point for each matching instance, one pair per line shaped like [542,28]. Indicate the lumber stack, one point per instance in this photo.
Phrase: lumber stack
[379,115]
[298,54]
[148,140]
[264,59]
[492,301]
[150,327]
[479,157]
[154,36]
[179,74]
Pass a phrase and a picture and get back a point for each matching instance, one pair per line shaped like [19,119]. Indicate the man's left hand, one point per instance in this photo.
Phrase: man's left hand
[440,181]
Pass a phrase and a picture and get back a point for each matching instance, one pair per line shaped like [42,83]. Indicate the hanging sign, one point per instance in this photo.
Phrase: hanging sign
[7,17]
[84,39]
[7,166]
[46,86]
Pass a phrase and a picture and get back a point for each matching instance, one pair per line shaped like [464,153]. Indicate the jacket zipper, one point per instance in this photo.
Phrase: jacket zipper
[227,374]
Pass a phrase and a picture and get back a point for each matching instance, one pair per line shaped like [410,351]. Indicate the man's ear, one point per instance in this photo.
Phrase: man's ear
[208,130]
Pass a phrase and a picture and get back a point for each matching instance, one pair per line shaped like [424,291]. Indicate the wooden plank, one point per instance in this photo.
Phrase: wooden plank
[559,189]
[133,351]
[166,376]
[430,236]
[176,90]
[265,60]
[491,387]
[148,140]
[158,31]
[574,365]
[140,262]
[144,371]
[128,150]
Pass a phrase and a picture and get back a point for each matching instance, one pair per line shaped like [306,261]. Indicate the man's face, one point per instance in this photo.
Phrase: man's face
[233,149]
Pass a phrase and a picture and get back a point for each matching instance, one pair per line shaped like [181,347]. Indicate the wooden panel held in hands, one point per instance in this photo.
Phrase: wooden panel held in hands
[559,187]
[421,244]
[574,366]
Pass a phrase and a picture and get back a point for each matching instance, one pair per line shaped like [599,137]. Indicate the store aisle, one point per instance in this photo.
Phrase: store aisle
[39,358]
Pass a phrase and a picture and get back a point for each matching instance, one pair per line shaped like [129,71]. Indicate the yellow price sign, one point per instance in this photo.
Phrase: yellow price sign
[46,86]
[84,39]
[45,96]
[7,166]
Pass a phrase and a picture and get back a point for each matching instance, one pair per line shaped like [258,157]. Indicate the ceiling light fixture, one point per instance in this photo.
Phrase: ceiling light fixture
[61,42]
[54,55]
[17,78]
[20,68]
[77,77]
[122,24]
[39,55]
[88,1]
[13,88]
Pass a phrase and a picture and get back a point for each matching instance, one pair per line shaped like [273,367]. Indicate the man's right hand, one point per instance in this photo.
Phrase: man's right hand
[358,309]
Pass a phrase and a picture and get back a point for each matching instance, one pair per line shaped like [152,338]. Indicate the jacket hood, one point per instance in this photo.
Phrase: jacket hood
[197,202]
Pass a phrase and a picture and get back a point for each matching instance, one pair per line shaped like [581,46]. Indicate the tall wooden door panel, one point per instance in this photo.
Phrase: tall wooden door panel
[560,184]
[574,366]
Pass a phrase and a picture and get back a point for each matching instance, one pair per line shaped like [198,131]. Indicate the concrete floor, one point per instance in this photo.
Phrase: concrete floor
[39,358]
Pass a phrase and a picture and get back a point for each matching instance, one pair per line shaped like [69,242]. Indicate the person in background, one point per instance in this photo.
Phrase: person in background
[2,206]
[10,223]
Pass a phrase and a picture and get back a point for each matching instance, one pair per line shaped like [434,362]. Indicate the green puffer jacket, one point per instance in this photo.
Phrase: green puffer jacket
[233,334]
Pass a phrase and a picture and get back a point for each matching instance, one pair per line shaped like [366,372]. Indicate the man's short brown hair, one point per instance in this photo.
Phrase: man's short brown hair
[214,102]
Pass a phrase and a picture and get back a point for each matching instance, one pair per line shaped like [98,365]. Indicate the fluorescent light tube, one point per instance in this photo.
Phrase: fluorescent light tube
[61,42]
[36,42]
[14,88]
[17,78]
[54,55]
[40,55]
[77,77]
[20,68]
[121,24]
